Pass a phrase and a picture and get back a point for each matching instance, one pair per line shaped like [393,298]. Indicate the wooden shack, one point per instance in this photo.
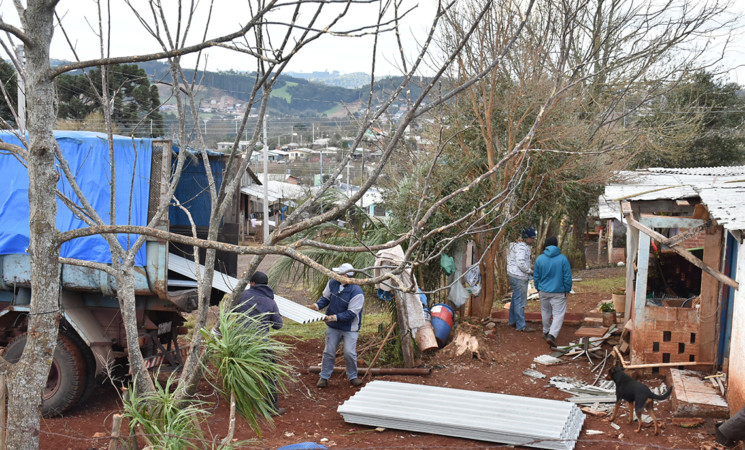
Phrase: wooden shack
[684,268]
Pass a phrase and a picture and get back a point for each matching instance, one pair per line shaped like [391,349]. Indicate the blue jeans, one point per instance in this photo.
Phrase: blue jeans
[517,305]
[333,336]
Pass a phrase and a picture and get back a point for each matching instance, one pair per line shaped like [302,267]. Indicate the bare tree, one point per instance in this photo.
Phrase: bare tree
[273,34]
[559,113]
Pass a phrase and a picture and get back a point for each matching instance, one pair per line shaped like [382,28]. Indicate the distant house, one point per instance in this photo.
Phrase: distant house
[323,142]
[228,146]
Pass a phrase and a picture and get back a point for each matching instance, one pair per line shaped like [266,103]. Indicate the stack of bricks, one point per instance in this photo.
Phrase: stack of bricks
[669,335]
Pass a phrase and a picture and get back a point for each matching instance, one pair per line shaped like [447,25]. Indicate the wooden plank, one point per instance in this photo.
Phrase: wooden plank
[646,231]
[657,206]
[610,240]
[632,246]
[671,364]
[710,294]
[640,302]
[678,238]
[670,222]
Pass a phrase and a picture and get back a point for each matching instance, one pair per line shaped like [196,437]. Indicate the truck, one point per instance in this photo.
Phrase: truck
[91,340]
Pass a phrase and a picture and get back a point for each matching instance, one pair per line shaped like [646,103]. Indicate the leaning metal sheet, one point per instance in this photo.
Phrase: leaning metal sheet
[225,283]
[484,416]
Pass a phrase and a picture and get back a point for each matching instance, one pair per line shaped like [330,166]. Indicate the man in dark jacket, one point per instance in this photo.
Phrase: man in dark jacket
[258,302]
[552,276]
[343,321]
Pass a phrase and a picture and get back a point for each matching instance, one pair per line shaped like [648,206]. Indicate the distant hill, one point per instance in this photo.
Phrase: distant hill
[316,94]
[347,80]
[291,95]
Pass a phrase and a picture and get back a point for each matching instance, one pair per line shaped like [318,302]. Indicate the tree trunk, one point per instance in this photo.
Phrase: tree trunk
[27,378]
[126,294]
[576,252]
[488,283]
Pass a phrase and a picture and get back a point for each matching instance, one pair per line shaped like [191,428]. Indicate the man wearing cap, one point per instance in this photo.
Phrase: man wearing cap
[343,321]
[519,271]
[258,302]
[553,279]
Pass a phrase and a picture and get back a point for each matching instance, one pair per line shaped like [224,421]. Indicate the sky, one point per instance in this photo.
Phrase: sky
[329,53]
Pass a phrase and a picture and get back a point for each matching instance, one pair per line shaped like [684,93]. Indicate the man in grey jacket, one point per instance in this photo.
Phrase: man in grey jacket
[519,270]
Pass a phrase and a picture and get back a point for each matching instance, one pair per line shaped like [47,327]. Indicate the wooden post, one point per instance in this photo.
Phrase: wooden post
[115,430]
[407,347]
[640,302]
[609,237]
[632,246]
[710,288]
[600,245]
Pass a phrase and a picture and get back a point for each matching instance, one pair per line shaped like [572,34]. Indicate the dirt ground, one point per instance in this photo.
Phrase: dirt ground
[311,412]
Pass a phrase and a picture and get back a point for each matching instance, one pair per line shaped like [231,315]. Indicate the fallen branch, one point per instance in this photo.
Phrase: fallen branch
[375,358]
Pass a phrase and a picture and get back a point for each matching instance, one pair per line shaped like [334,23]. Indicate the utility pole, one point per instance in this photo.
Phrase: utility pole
[21,89]
[266,188]
[349,187]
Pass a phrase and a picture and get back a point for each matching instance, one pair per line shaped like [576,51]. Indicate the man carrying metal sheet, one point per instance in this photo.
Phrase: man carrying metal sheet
[343,321]
[258,302]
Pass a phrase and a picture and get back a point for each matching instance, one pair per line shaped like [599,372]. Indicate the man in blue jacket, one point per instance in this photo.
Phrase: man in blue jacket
[552,276]
[258,302]
[343,321]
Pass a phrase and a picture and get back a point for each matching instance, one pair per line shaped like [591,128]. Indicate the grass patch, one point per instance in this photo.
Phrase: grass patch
[333,110]
[283,93]
[605,285]
[317,330]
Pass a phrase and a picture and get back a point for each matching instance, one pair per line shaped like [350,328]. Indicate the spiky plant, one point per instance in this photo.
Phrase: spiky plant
[167,423]
[248,362]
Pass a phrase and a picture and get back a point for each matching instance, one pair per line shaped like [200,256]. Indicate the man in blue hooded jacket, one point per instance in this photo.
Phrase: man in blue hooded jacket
[343,321]
[552,276]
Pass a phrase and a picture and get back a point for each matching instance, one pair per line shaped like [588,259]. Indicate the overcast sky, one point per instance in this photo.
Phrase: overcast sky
[329,53]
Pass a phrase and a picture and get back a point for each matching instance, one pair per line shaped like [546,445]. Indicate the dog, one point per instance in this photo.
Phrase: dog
[634,393]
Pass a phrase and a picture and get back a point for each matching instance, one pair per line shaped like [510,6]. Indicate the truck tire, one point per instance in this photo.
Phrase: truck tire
[67,375]
[88,359]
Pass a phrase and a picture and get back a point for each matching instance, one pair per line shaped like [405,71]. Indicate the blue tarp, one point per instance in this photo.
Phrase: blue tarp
[87,154]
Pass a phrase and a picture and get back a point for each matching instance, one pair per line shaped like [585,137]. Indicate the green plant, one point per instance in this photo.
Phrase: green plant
[250,364]
[607,307]
[166,423]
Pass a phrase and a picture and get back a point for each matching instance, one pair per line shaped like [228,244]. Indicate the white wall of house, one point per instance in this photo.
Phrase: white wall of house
[736,374]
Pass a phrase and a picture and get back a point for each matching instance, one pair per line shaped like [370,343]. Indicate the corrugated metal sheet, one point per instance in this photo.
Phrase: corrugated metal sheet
[720,189]
[226,283]
[277,190]
[726,171]
[506,419]
[726,205]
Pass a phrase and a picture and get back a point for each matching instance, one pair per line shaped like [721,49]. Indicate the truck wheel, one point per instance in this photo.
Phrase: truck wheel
[67,375]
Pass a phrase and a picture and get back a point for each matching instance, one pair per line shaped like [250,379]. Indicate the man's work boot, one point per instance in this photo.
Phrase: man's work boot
[322,383]
[355,382]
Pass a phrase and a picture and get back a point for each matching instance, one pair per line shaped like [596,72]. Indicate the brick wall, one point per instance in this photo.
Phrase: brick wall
[695,241]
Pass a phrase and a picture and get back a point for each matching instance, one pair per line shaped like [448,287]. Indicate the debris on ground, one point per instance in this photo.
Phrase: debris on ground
[547,360]
[586,394]
[534,373]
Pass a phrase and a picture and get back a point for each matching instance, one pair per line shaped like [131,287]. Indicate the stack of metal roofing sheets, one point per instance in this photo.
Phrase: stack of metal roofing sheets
[226,283]
[506,419]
